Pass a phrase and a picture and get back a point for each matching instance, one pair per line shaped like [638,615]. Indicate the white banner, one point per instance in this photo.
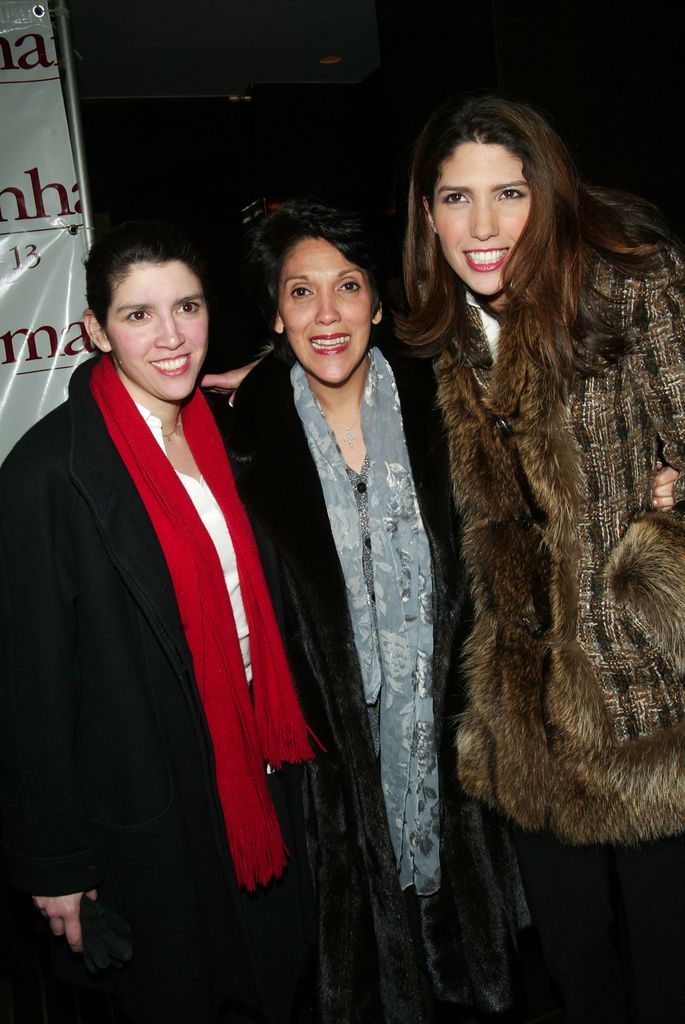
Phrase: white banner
[42,240]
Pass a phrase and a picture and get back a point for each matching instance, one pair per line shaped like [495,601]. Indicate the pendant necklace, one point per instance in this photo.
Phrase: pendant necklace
[177,429]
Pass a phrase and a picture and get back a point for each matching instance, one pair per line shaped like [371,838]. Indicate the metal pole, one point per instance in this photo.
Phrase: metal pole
[60,10]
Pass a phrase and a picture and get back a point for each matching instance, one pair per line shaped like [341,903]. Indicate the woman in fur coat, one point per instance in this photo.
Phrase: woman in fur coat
[341,461]
[556,312]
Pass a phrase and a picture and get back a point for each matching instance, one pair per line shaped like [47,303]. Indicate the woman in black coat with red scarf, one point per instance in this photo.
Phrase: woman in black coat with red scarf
[138,765]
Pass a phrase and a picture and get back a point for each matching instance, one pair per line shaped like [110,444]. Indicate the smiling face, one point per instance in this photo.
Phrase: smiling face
[325,307]
[156,330]
[479,208]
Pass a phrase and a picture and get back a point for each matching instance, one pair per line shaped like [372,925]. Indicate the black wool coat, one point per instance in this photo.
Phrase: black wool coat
[106,763]
[368,968]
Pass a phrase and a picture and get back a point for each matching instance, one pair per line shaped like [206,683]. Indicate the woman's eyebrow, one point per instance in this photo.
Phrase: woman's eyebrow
[494,188]
[150,305]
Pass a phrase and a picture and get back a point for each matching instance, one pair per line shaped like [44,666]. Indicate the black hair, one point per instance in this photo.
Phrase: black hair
[114,253]
[273,238]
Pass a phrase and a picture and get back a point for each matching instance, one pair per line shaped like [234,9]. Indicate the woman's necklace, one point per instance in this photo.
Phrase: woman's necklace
[178,429]
[348,435]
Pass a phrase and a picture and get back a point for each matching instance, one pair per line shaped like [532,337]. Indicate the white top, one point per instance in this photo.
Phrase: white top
[215,525]
[490,325]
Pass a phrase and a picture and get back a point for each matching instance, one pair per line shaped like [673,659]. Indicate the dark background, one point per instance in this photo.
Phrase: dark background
[608,75]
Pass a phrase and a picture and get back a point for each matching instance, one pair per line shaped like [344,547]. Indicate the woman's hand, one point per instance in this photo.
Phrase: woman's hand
[662,488]
[63,914]
[229,381]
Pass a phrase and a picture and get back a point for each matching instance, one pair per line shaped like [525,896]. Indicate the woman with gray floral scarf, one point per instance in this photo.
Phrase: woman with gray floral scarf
[341,462]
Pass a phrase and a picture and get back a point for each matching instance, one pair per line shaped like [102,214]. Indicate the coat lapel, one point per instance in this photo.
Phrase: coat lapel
[120,516]
[424,433]
[427,452]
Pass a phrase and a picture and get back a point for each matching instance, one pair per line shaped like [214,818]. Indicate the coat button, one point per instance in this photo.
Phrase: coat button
[361,487]
[532,624]
[504,426]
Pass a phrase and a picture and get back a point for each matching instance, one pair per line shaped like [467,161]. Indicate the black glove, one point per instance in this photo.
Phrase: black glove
[106,936]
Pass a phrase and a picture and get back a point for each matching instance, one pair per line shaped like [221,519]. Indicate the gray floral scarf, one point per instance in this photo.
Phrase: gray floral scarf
[394,633]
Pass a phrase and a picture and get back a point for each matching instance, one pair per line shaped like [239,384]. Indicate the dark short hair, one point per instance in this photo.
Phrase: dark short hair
[114,253]
[273,238]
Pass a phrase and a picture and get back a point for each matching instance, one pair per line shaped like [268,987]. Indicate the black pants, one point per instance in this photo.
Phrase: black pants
[280,923]
[576,894]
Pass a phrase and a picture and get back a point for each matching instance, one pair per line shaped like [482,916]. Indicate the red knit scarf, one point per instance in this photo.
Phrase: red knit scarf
[245,732]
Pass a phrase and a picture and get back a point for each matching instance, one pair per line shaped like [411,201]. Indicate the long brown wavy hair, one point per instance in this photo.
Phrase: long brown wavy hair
[552,307]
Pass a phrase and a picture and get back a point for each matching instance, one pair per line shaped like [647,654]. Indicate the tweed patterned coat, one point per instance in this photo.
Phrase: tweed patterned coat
[576,667]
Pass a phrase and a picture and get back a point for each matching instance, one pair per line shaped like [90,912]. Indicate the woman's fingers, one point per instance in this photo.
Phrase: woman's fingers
[662,488]
[64,915]
[227,382]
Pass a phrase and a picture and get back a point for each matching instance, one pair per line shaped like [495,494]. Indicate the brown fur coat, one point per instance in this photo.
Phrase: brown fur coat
[576,714]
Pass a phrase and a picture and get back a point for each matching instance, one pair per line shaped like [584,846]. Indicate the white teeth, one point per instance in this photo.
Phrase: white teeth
[484,258]
[325,343]
[171,364]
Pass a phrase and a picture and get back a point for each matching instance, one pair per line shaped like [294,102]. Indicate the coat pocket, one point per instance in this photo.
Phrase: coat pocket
[646,574]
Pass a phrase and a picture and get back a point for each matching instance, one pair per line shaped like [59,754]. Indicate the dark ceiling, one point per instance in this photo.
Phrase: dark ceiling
[143,48]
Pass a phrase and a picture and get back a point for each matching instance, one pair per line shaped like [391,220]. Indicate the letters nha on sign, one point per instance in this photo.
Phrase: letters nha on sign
[42,241]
